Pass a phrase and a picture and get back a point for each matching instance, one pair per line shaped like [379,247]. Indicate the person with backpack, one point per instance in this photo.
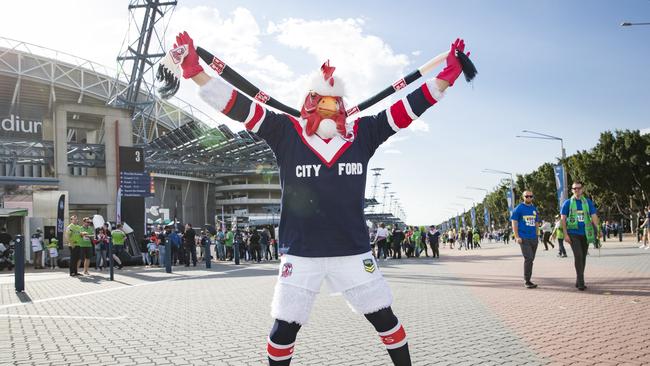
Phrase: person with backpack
[189,246]
[434,238]
[175,242]
[205,246]
[53,252]
[144,251]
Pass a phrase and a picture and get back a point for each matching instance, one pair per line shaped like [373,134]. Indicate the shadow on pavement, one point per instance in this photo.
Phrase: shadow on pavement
[612,286]
[23,297]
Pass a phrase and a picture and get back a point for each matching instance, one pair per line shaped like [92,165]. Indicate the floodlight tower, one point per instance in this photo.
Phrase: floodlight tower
[376,173]
[142,48]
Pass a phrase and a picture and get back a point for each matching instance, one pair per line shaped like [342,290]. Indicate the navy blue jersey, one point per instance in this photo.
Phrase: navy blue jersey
[323,181]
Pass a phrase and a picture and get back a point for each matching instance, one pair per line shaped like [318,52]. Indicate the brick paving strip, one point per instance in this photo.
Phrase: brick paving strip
[608,324]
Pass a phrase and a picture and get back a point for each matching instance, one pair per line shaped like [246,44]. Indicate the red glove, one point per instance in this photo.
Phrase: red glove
[453,69]
[190,64]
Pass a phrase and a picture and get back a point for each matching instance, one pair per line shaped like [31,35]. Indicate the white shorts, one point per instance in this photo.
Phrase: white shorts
[356,277]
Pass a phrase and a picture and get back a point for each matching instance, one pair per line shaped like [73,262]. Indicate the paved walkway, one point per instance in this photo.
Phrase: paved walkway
[467,308]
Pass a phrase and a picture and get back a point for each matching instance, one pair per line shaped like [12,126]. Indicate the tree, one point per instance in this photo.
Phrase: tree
[616,172]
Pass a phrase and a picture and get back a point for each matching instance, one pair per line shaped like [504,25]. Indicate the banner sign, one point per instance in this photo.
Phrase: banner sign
[560,184]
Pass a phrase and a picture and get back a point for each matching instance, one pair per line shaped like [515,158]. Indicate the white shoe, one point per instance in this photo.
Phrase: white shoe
[642,246]
[646,248]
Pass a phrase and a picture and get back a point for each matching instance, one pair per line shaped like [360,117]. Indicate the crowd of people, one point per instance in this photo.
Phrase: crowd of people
[250,244]
[390,242]
[258,244]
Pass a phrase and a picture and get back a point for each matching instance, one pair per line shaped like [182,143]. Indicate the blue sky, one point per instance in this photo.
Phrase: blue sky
[565,68]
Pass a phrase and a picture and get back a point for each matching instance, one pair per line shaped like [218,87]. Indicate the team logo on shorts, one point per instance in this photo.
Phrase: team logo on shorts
[287,269]
[369,265]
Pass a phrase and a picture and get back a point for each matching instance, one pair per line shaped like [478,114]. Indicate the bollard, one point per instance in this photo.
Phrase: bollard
[236,252]
[110,260]
[168,256]
[207,255]
[19,259]
[275,250]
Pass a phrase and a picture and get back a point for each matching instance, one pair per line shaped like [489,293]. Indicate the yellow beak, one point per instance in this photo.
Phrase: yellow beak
[327,107]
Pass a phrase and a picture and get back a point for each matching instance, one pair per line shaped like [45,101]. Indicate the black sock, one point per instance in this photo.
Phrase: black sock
[280,343]
[392,334]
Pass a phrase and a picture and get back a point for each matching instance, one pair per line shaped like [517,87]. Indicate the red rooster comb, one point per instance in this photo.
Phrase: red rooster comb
[328,72]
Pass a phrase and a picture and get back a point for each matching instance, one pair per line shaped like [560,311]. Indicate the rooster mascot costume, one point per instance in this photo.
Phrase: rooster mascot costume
[323,161]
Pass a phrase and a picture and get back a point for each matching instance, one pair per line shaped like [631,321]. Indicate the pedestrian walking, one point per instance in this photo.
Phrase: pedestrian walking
[524,220]
[189,242]
[37,248]
[558,234]
[434,241]
[118,236]
[644,229]
[581,227]
[546,234]
[380,240]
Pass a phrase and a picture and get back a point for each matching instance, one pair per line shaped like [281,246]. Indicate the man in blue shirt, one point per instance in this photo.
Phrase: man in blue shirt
[524,221]
[580,225]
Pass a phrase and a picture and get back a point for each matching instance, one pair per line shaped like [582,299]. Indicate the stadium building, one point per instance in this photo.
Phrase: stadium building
[62,132]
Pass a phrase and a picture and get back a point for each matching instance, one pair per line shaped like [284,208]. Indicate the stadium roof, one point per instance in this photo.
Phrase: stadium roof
[176,136]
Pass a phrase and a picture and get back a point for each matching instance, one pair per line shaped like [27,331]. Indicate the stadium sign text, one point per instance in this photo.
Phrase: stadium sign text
[14,126]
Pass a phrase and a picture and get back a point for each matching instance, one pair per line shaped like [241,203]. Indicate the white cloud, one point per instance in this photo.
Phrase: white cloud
[419,125]
[365,62]
[392,141]
[645,131]
[416,53]
[392,151]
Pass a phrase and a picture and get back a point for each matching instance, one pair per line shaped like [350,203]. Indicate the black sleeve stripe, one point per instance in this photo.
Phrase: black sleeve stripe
[240,109]
[418,102]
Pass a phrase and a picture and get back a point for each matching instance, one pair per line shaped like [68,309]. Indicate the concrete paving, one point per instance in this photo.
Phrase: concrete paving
[466,308]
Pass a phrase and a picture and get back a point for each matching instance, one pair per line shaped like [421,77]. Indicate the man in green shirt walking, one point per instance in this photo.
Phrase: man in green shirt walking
[581,227]
[559,235]
[87,234]
[119,237]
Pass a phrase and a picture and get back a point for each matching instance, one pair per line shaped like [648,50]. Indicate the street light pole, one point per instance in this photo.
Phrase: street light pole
[542,136]
[383,206]
[512,186]
[628,24]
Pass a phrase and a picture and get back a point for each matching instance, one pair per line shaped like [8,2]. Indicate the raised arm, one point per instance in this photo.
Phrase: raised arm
[403,112]
[231,102]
